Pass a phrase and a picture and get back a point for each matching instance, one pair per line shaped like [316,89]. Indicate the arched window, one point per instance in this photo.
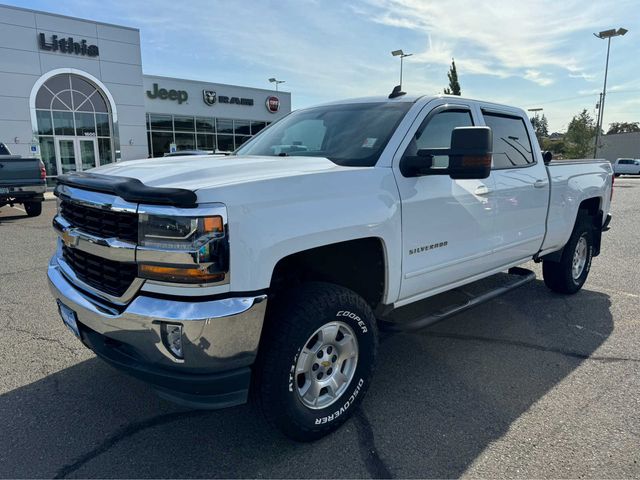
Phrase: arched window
[74,125]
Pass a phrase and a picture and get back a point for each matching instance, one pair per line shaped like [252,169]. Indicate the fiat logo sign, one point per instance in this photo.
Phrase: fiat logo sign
[273,104]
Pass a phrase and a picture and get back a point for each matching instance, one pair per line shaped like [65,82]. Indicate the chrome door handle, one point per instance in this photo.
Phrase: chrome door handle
[482,190]
[540,183]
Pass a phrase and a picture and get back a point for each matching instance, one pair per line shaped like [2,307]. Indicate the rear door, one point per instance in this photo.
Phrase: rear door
[521,195]
[447,225]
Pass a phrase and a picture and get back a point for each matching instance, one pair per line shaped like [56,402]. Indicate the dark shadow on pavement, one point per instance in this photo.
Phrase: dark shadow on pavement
[439,398]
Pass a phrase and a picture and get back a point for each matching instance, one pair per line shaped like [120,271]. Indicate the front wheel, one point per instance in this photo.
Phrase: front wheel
[316,359]
[569,274]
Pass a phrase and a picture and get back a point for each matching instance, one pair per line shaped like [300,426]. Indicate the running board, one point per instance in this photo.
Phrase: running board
[516,278]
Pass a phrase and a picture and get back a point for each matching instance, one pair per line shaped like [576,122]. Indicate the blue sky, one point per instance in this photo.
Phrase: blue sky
[529,54]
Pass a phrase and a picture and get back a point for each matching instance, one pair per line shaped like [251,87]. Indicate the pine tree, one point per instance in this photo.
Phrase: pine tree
[454,85]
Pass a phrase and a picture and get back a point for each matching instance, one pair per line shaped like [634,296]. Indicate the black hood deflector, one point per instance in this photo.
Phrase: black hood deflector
[130,189]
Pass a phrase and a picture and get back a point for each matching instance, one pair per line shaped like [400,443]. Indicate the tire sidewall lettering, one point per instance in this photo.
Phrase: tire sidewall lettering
[356,318]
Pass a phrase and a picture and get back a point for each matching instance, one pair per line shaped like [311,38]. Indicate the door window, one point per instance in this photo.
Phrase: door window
[87,154]
[67,155]
[511,144]
[435,132]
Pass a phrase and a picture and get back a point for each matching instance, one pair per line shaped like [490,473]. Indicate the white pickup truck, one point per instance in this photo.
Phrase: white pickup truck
[270,271]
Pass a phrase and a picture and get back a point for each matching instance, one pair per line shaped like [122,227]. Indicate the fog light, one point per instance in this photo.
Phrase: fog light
[172,338]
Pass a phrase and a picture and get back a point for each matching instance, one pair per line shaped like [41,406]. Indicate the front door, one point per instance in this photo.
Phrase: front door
[76,154]
[447,225]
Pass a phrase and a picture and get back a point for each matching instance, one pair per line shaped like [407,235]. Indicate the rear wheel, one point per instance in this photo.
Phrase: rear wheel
[33,209]
[316,359]
[570,273]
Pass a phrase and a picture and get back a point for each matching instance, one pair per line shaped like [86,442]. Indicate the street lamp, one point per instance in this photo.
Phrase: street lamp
[401,54]
[277,82]
[608,34]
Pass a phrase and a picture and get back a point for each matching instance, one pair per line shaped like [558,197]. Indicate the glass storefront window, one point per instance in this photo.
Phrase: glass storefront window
[185,141]
[63,123]
[48,156]
[206,142]
[205,125]
[183,124]
[161,122]
[242,127]
[240,139]
[161,142]
[224,126]
[102,120]
[104,150]
[257,126]
[45,127]
[225,143]
[85,124]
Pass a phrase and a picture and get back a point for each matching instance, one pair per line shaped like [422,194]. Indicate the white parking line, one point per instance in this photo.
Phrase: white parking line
[18,208]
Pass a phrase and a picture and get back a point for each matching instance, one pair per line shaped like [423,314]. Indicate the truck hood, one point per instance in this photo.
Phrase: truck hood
[200,172]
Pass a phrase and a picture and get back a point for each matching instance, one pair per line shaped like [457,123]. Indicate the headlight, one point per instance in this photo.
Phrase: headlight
[181,249]
[178,233]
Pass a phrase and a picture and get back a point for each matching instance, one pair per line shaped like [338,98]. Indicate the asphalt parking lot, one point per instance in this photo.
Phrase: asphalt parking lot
[532,384]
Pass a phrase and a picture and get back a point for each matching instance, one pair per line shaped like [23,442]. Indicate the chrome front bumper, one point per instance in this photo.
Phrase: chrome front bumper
[218,335]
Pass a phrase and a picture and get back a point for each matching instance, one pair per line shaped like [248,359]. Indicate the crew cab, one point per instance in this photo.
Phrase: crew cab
[270,271]
[22,181]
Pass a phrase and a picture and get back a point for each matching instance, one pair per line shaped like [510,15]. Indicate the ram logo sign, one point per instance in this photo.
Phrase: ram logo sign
[209,97]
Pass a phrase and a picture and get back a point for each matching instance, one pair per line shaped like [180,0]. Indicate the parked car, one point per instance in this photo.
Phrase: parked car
[22,181]
[270,272]
[626,166]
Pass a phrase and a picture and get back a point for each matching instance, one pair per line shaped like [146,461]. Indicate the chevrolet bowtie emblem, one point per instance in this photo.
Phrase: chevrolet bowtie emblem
[68,239]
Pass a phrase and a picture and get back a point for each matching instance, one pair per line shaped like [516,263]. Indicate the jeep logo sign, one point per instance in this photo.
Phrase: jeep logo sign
[164,94]
[273,104]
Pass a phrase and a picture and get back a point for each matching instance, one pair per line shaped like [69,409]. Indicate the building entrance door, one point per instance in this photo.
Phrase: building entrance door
[76,154]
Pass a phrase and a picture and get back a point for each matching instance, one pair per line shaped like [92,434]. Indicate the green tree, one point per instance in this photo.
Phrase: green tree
[454,85]
[541,127]
[580,136]
[623,127]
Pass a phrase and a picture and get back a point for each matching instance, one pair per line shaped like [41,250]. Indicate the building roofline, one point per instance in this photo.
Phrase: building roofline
[31,10]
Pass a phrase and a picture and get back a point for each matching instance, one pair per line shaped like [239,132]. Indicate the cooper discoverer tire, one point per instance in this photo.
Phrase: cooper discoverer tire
[33,209]
[316,359]
[570,273]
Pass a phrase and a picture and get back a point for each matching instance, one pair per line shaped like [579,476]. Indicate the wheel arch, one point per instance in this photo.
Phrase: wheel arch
[358,264]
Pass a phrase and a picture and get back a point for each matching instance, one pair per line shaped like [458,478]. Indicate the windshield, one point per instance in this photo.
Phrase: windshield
[351,135]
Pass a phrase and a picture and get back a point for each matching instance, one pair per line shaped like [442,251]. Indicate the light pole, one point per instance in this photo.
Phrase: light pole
[277,82]
[401,54]
[608,34]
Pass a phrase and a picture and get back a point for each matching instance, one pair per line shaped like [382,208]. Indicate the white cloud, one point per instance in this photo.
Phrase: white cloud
[500,38]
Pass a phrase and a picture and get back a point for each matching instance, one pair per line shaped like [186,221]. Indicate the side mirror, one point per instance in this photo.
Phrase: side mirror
[470,153]
[469,156]
[547,156]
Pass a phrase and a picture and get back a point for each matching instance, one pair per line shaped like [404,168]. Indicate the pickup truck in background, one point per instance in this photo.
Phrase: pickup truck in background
[22,181]
[626,166]
[270,271]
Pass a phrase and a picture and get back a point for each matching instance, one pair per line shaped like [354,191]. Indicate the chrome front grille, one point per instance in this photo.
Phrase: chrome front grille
[108,276]
[101,222]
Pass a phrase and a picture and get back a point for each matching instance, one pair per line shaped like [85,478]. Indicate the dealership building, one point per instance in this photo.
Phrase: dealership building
[73,92]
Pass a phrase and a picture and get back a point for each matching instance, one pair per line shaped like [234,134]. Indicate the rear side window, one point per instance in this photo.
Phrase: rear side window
[511,144]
